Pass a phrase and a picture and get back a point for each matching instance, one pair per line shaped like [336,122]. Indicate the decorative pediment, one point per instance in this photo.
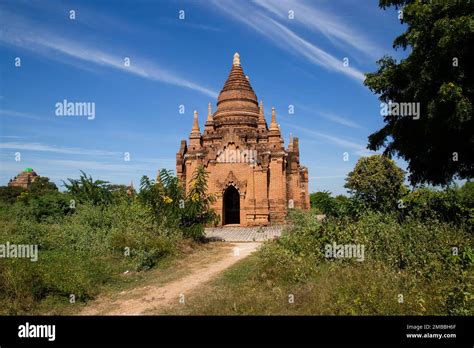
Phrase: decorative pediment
[231,180]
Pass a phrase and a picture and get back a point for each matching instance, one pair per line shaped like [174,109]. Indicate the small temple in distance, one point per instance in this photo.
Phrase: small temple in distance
[254,178]
[24,179]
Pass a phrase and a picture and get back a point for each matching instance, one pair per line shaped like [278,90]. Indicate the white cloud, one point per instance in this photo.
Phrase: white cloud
[316,19]
[356,148]
[56,149]
[29,116]
[331,117]
[338,119]
[22,33]
[286,39]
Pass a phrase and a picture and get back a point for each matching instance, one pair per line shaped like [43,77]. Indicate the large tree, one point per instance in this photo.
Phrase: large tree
[376,181]
[437,74]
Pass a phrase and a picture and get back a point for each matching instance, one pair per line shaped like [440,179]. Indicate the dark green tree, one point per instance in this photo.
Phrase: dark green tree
[323,202]
[41,186]
[438,75]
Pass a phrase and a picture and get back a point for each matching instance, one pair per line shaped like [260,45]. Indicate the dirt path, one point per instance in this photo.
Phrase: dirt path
[160,296]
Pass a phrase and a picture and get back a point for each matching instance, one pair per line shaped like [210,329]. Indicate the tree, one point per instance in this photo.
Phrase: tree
[323,201]
[376,181]
[198,211]
[438,75]
[41,186]
[172,206]
[85,189]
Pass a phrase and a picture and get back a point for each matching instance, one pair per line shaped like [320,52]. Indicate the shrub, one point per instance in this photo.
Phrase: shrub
[324,203]
[171,206]
[51,205]
[450,205]
[85,189]
[420,252]
[41,186]
[9,194]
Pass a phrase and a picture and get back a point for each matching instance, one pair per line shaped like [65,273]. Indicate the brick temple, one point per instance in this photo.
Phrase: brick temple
[254,178]
[24,179]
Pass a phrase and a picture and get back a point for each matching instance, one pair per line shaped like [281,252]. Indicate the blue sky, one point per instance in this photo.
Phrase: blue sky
[186,61]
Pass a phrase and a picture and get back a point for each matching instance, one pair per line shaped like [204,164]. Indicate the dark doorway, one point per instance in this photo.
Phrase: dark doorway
[231,206]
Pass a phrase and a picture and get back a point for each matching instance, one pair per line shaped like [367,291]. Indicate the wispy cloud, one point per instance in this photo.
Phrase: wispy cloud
[11,136]
[285,38]
[316,19]
[38,147]
[12,113]
[330,116]
[189,25]
[327,177]
[340,120]
[24,34]
[357,148]
[124,167]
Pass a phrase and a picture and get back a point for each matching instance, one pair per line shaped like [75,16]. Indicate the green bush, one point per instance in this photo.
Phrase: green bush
[419,252]
[9,194]
[85,189]
[78,252]
[450,205]
[51,205]
[171,206]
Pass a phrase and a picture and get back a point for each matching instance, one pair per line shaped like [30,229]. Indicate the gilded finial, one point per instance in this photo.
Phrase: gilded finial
[236,60]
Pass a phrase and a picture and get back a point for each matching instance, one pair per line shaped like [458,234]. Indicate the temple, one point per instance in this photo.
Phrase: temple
[254,178]
[24,179]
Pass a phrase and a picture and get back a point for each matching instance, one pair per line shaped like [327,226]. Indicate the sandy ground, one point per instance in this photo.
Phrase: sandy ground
[155,297]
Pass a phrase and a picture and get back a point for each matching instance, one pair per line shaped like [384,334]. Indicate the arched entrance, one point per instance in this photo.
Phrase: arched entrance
[231,206]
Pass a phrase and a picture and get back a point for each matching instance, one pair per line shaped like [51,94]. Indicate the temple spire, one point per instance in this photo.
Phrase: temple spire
[209,112]
[261,117]
[158,177]
[290,145]
[273,124]
[195,129]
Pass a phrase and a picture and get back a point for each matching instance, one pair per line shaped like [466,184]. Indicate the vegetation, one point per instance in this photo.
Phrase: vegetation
[170,204]
[417,259]
[418,255]
[413,265]
[437,75]
[91,234]
[376,181]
